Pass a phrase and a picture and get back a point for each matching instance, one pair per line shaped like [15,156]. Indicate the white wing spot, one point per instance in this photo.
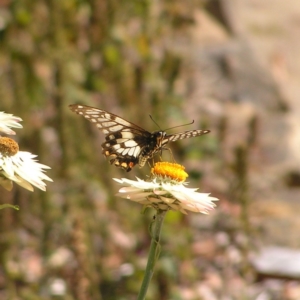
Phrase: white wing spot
[108,124]
[130,143]
[119,141]
[121,121]
[101,119]
[126,151]
[116,127]
[127,135]
[89,112]
[136,151]
[131,151]
[117,147]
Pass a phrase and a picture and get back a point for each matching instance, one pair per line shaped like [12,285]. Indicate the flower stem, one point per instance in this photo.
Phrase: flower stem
[16,207]
[153,252]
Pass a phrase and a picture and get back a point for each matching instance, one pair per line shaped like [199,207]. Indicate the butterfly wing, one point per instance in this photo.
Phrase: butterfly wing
[124,141]
[184,135]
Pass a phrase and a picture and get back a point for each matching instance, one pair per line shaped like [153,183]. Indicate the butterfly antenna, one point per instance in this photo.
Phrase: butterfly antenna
[187,124]
[154,122]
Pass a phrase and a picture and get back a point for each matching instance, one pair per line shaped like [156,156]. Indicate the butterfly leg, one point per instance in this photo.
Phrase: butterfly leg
[171,154]
[152,162]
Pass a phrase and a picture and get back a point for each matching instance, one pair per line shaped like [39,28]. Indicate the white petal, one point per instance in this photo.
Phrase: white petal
[24,170]
[132,196]
[167,200]
[7,121]
[129,189]
[26,185]
[160,192]
[137,196]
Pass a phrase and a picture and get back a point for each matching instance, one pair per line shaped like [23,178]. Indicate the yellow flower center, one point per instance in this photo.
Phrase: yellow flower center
[8,146]
[171,170]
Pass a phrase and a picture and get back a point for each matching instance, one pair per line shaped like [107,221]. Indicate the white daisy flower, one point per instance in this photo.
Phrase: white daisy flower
[166,190]
[7,121]
[20,167]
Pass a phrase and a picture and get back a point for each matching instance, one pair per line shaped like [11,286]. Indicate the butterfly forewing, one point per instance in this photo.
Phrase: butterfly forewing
[126,143]
[186,135]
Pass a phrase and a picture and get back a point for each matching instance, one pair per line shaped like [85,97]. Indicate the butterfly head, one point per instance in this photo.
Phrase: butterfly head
[159,138]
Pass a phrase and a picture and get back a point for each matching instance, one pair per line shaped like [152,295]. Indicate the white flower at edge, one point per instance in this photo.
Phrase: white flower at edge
[7,121]
[165,195]
[20,167]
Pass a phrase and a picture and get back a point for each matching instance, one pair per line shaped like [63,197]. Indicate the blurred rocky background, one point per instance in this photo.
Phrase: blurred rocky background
[232,66]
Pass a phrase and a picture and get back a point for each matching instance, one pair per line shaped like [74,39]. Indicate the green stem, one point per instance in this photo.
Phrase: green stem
[153,253]
[16,207]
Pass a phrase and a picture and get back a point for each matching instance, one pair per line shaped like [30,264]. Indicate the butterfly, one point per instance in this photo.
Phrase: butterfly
[127,144]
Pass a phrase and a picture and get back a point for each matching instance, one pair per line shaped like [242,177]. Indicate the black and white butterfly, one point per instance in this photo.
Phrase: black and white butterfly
[126,143]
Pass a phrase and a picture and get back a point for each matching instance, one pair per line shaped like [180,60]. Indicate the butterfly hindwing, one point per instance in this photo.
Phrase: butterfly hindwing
[124,140]
[124,148]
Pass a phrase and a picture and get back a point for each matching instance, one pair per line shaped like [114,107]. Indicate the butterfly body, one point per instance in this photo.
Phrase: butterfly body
[127,144]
